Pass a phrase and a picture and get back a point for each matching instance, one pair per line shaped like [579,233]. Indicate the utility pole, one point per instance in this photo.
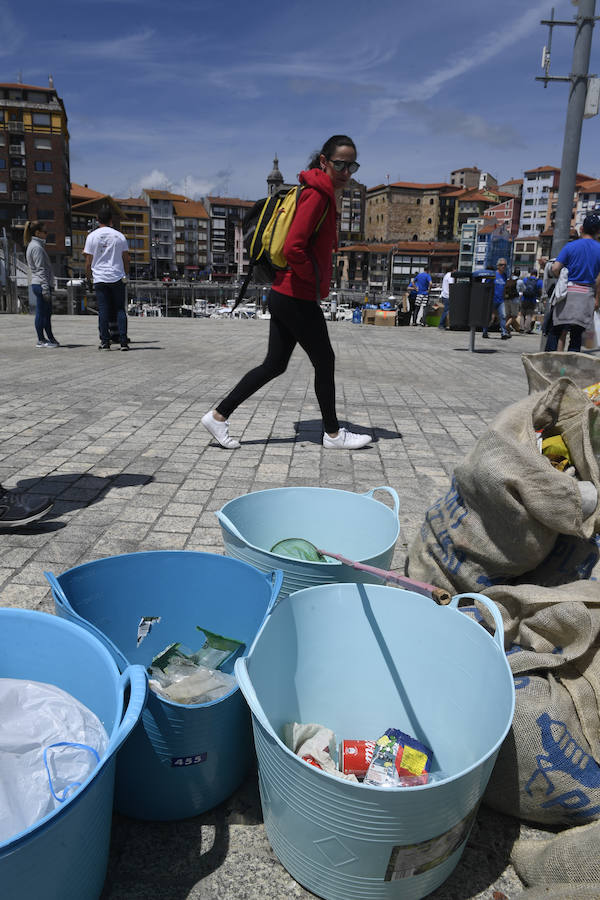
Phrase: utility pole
[579,78]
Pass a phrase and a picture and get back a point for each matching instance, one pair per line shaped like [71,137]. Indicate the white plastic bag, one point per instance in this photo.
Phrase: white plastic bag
[49,745]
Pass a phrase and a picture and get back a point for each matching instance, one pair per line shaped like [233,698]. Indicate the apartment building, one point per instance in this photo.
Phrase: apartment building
[588,200]
[351,225]
[85,203]
[134,219]
[506,214]
[580,180]
[34,166]
[465,178]
[409,211]
[191,238]
[162,230]
[381,267]
[228,259]
[537,184]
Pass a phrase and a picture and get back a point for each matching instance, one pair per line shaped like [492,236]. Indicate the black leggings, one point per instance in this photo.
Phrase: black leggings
[292,322]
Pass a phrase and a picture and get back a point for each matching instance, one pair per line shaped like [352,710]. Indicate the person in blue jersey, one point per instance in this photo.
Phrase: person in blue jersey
[498,311]
[423,283]
[575,313]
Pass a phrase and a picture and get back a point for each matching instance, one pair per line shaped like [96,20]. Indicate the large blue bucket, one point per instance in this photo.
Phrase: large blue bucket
[359,659]
[64,855]
[354,525]
[181,759]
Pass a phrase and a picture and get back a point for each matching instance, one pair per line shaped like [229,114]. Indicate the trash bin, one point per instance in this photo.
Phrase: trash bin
[482,294]
[460,298]
[345,656]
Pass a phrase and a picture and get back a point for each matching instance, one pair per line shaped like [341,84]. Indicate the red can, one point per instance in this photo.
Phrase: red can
[355,757]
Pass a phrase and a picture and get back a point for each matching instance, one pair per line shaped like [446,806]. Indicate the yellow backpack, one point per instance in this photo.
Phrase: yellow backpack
[265,229]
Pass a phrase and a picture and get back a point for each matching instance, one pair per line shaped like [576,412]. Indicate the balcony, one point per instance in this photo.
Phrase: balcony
[16,149]
[17,127]
[19,196]
[19,173]
[18,223]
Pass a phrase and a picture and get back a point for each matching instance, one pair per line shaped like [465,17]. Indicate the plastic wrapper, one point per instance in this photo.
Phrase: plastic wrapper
[185,682]
[399,761]
[50,744]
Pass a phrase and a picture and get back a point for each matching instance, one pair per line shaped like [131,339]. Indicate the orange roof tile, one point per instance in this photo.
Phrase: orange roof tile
[131,201]
[413,185]
[512,181]
[84,192]
[192,209]
[417,247]
[542,169]
[162,195]
[230,201]
[591,187]
[30,87]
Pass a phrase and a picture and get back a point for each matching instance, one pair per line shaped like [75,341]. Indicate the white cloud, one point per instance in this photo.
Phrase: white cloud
[11,34]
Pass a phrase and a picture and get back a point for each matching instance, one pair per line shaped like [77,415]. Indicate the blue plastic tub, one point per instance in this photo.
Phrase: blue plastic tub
[354,525]
[64,855]
[181,759]
[360,659]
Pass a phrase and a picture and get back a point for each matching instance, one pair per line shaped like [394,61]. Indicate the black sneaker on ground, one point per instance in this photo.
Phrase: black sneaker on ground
[104,346]
[17,508]
[124,345]
[505,337]
[484,335]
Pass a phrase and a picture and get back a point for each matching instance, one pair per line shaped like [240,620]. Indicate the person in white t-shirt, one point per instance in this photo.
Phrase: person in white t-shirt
[447,280]
[107,261]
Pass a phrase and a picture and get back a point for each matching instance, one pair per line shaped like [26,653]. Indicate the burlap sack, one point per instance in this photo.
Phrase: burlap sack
[507,505]
[547,770]
[565,866]
[544,368]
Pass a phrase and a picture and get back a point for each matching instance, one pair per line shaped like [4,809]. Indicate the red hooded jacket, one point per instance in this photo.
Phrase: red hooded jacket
[302,243]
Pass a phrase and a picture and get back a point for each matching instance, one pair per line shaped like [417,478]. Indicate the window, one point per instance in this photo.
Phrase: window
[3,188]
[43,188]
[42,144]
[42,165]
[50,238]
[409,219]
[41,119]
[526,227]
[418,201]
[46,214]
[431,202]
[2,163]
[429,221]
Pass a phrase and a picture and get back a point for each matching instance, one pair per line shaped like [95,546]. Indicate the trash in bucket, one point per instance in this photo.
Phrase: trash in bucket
[183,758]
[355,525]
[347,655]
[184,682]
[64,855]
[50,744]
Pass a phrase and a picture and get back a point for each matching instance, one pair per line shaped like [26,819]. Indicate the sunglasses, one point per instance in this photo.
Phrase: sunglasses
[340,164]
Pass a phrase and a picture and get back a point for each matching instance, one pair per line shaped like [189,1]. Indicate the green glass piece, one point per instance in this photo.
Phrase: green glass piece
[298,548]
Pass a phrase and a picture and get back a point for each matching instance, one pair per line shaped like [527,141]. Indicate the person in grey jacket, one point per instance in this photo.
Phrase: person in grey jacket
[42,279]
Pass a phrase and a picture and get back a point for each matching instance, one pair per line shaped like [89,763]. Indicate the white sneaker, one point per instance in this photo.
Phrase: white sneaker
[346,440]
[220,431]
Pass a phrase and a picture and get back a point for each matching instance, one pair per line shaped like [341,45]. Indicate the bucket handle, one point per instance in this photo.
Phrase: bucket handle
[245,685]
[61,600]
[136,679]
[391,492]
[491,606]
[275,579]
[229,526]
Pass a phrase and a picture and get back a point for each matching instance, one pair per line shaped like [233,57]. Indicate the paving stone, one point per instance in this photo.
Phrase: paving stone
[133,469]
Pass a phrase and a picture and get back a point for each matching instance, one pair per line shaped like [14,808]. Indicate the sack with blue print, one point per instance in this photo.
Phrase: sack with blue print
[509,513]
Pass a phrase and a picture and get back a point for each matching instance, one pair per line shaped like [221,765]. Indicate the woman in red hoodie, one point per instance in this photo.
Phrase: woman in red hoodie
[296,314]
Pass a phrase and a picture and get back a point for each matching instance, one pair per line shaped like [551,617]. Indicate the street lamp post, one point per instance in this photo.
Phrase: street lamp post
[155,258]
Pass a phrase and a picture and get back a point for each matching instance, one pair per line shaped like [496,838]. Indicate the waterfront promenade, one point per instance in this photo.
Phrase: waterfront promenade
[116,439]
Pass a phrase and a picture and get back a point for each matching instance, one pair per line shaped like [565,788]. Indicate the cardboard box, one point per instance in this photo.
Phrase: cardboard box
[369,316]
[385,316]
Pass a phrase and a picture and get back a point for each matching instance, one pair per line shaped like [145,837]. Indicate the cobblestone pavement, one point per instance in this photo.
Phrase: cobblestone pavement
[116,439]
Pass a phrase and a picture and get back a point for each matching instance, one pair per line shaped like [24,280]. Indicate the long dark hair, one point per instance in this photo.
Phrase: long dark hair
[31,229]
[337,140]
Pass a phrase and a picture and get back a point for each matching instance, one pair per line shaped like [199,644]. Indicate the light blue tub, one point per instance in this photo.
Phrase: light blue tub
[360,659]
[354,525]
[181,759]
[64,855]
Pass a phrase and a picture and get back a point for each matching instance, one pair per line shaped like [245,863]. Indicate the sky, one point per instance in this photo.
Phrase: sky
[197,97]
